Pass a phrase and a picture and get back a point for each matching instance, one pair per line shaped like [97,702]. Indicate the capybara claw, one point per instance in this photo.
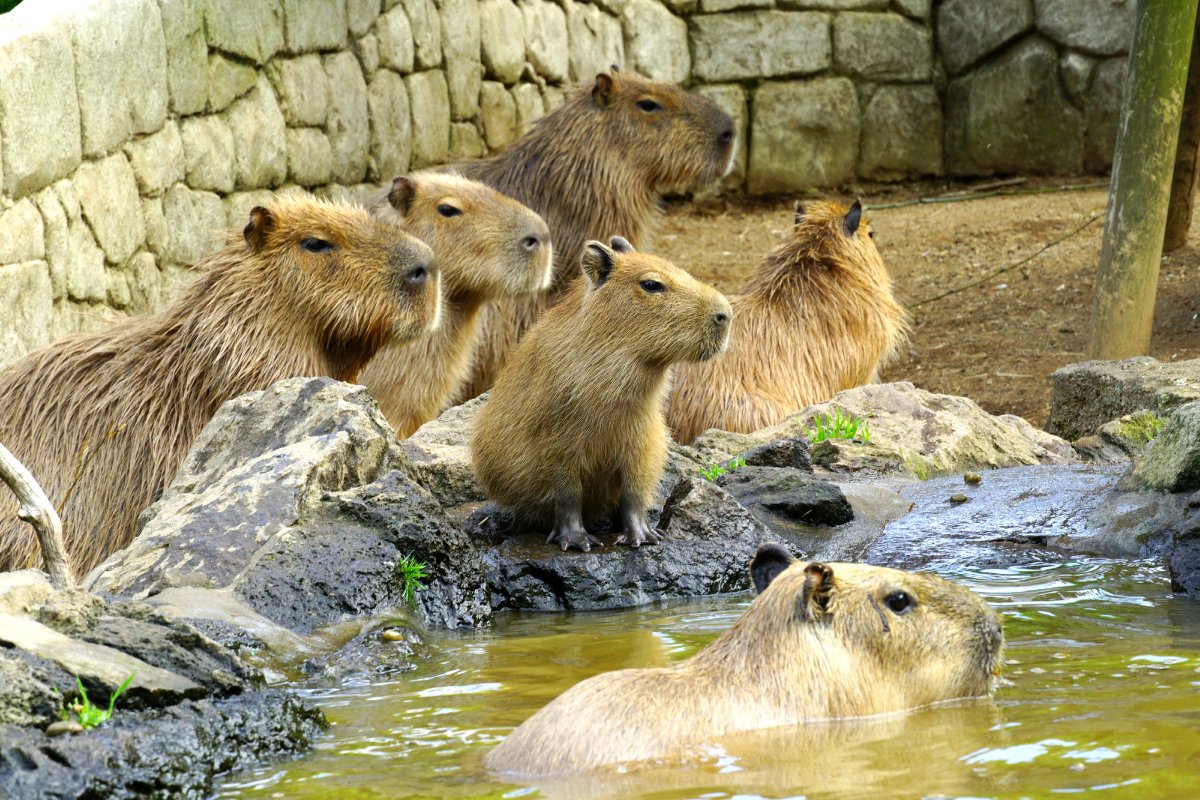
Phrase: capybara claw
[568,538]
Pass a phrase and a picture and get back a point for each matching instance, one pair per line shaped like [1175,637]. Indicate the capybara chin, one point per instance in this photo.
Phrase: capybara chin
[596,167]
[817,317]
[574,427]
[820,642]
[488,247]
[309,288]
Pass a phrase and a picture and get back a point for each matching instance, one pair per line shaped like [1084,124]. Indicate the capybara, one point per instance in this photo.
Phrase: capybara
[309,288]
[487,247]
[817,317]
[820,642]
[596,167]
[574,427]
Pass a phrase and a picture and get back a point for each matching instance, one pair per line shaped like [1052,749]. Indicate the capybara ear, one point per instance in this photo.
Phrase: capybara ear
[602,90]
[401,195]
[853,217]
[799,212]
[818,588]
[619,244]
[770,560]
[597,262]
[256,230]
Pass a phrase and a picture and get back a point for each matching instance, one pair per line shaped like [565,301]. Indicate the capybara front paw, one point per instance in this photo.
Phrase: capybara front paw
[568,537]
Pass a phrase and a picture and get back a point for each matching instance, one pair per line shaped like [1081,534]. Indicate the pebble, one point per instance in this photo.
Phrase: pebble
[63,727]
[958,497]
[972,477]
[393,635]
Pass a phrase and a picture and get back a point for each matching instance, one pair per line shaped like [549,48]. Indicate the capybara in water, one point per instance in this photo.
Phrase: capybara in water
[574,427]
[820,642]
[487,247]
[596,167]
[309,288]
[817,317]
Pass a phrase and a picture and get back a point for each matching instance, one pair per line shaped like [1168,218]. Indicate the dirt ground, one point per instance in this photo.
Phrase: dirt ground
[998,342]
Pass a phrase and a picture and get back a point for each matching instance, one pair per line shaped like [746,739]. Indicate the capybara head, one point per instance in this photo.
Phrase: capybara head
[914,638]
[827,235]
[672,316]
[321,248]
[678,139]
[487,244]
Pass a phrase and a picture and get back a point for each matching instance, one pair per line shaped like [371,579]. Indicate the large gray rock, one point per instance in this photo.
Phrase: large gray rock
[348,126]
[1102,113]
[427,32]
[208,153]
[259,144]
[805,135]
[193,222]
[1091,393]
[759,44]
[429,97]
[882,47]
[656,41]
[529,104]
[967,30]
[498,113]
[901,133]
[545,38]
[391,125]
[461,41]
[310,158]
[1102,29]
[596,41]
[503,35]
[311,25]
[252,29]
[303,89]
[21,233]
[394,34]
[1010,115]
[157,160]
[1171,462]
[187,54]
[28,297]
[786,495]
[108,194]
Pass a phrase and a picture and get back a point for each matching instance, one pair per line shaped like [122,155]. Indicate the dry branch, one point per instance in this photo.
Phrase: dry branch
[36,509]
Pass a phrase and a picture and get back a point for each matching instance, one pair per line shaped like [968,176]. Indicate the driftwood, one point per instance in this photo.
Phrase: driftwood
[37,510]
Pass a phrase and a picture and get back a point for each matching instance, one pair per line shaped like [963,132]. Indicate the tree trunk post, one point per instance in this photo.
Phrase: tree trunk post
[1140,190]
[35,508]
[1183,184]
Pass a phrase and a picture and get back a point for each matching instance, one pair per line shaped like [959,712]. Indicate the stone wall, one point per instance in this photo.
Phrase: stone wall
[132,132]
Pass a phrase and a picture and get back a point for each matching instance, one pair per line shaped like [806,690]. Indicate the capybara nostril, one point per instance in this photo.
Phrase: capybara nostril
[418,275]
[721,318]
[531,243]
[726,136]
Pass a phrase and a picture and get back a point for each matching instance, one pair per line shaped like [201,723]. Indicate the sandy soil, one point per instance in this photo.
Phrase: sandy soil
[998,342]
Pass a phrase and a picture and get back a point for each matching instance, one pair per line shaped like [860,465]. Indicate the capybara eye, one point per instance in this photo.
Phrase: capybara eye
[871,234]
[899,602]
[648,105]
[447,210]
[653,287]
[316,245]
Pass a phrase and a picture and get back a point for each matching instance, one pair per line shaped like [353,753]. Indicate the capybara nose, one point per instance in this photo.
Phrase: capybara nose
[531,242]
[726,136]
[421,271]
[721,318]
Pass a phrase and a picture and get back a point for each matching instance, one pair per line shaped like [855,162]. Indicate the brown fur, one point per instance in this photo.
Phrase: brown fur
[594,168]
[489,248]
[265,309]
[574,427]
[817,317]
[819,642]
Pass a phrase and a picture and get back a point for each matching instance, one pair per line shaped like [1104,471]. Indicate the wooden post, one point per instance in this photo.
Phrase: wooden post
[1187,164]
[36,509]
[1127,276]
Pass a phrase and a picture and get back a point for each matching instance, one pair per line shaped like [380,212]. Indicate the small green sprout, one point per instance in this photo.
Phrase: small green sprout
[714,471]
[838,425]
[88,715]
[411,573]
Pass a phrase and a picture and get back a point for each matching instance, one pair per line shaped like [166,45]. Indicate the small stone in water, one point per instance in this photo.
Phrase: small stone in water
[1076,768]
[1037,670]
[393,635]
[958,497]
[972,477]
[63,727]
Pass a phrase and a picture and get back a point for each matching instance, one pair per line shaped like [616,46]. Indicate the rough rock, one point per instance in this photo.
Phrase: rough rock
[882,47]
[361,15]
[788,495]
[461,42]
[731,99]
[656,41]
[394,34]
[193,223]
[1120,439]
[303,89]
[208,153]
[717,6]
[259,144]
[22,235]
[836,5]
[1010,115]
[1102,114]
[28,295]
[545,38]
[1171,462]
[465,142]
[529,106]
[503,36]
[227,81]
[596,41]
[310,158]
[430,100]
[310,25]
[84,273]
[427,32]
[967,30]
[1102,29]
[1091,393]
[157,160]
[901,133]
[754,44]
[916,9]
[108,194]
[805,135]
[1076,71]
[252,29]
[187,54]
[348,126]
[391,125]
[498,113]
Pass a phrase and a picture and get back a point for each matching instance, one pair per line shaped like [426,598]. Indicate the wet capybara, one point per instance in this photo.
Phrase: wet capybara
[574,427]
[488,247]
[596,167]
[820,642]
[103,420]
[817,317]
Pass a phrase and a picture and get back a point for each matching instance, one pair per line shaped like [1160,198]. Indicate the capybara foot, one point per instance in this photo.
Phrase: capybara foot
[638,532]
[569,536]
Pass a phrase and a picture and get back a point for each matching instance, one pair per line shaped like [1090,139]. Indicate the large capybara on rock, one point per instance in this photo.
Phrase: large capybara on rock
[103,420]
[817,317]
[574,427]
[488,247]
[596,167]
[820,642]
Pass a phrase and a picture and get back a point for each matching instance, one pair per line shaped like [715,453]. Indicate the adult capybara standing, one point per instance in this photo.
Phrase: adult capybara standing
[574,426]
[596,167]
[820,642]
[817,317]
[310,288]
[488,247]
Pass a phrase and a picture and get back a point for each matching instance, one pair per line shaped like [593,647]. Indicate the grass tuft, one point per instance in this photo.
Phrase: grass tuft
[411,572]
[714,471]
[88,715]
[838,425]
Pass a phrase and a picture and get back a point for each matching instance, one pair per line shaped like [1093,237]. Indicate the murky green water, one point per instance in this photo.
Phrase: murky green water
[1103,700]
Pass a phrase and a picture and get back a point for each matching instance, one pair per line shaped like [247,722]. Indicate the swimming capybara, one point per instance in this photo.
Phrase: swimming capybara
[103,420]
[596,167]
[574,427]
[820,642]
[487,247]
[817,317]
